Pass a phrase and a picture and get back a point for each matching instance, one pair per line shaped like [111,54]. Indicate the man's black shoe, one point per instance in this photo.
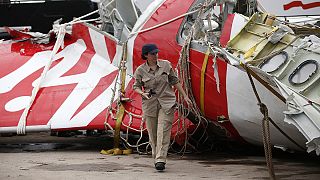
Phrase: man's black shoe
[160,166]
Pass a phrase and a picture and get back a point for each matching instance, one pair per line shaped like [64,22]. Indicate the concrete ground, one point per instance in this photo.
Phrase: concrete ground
[40,156]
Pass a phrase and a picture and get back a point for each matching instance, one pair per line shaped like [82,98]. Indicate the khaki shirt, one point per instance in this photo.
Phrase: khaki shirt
[159,82]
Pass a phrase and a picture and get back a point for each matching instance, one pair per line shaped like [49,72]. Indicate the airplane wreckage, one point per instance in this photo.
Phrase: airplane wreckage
[229,58]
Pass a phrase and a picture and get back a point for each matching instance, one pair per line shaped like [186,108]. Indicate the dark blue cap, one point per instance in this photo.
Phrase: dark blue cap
[149,48]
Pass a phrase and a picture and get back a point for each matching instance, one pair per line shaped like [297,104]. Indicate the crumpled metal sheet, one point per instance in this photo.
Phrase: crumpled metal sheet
[303,115]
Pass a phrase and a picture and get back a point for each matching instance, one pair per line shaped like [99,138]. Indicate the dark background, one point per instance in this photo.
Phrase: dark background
[40,16]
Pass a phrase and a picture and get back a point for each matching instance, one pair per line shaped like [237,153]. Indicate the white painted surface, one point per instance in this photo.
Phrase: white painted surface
[17,104]
[99,44]
[244,112]
[70,56]
[276,7]
[239,21]
[100,66]
[37,62]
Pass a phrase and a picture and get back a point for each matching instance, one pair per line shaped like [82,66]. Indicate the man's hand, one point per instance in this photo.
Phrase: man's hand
[181,91]
[145,95]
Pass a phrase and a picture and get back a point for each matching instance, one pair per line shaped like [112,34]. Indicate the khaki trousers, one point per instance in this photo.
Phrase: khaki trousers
[159,130]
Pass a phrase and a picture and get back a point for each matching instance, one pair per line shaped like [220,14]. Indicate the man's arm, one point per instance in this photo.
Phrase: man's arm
[138,85]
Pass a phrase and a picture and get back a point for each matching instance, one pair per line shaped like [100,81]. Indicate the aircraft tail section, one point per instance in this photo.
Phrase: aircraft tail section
[74,92]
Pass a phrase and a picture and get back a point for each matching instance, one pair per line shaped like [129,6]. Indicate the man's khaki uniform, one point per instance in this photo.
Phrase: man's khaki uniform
[159,109]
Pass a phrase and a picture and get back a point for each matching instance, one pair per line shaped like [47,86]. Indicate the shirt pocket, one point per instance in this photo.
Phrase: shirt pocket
[164,77]
[147,82]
